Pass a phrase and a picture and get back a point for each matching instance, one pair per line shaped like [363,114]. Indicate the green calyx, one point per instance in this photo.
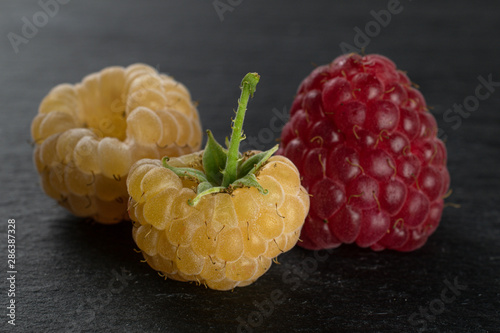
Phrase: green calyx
[226,169]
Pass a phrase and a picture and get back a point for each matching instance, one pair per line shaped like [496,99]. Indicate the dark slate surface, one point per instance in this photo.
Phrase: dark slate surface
[67,267]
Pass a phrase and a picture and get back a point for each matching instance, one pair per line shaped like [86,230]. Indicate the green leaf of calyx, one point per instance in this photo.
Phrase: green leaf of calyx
[214,160]
[210,190]
[249,181]
[202,187]
[190,173]
[252,164]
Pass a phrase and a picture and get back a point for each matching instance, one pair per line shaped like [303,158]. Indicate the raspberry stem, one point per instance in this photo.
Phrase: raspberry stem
[248,86]
[226,169]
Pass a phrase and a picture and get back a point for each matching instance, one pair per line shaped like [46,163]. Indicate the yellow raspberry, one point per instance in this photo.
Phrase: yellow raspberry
[88,135]
[217,217]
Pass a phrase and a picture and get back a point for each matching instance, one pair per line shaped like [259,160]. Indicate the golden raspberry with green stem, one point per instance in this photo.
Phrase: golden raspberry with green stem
[217,217]
[88,135]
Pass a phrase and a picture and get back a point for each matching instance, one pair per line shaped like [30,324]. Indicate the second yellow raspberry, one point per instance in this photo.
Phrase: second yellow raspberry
[88,135]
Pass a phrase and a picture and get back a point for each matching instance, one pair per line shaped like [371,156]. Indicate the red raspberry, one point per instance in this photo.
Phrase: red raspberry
[366,145]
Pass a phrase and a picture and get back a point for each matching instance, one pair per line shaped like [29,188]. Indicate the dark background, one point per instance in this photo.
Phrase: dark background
[66,266]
